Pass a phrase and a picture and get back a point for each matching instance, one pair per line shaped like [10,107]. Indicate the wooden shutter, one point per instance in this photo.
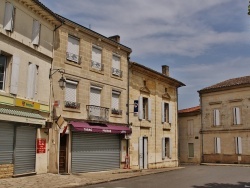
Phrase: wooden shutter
[170,113]
[190,127]
[237,111]
[14,75]
[140,108]
[149,109]
[71,91]
[115,99]
[73,49]
[31,84]
[218,145]
[216,117]
[8,17]
[238,145]
[163,148]
[140,145]
[163,112]
[36,32]
[170,148]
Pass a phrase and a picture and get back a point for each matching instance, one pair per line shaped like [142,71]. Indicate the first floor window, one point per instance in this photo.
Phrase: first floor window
[217,146]
[144,108]
[32,80]
[115,102]
[71,94]
[236,116]
[238,145]
[166,148]
[216,117]
[190,127]
[190,149]
[3,61]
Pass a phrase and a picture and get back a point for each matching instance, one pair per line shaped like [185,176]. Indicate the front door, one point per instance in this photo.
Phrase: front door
[143,152]
[63,153]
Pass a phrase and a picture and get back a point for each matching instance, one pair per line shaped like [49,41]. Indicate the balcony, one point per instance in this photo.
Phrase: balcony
[116,72]
[73,57]
[97,113]
[72,105]
[97,65]
[116,111]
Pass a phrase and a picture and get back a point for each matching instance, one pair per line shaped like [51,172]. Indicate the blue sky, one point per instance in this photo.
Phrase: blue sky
[203,42]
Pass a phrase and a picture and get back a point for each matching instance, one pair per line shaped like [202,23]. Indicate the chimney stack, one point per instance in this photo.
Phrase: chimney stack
[165,70]
[115,38]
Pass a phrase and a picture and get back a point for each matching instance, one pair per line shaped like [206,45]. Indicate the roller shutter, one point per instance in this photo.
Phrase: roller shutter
[95,152]
[25,150]
[6,143]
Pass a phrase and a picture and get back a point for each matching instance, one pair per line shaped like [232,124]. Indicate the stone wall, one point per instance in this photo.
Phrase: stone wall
[6,170]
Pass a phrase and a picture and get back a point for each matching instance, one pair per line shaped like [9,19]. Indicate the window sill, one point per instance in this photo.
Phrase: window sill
[71,110]
[237,125]
[116,77]
[72,63]
[97,71]
[166,126]
[116,115]
[145,126]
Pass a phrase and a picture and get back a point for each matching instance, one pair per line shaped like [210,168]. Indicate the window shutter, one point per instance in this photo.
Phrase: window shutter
[70,91]
[140,108]
[14,75]
[170,148]
[73,49]
[163,112]
[170,112]
[96,57]
[239,145]
[149,109]
[31,86]
[140,152]
[115,100]
[8,17]
[163,148]
[36,32]
[216,117]
[95,96]
[116,62]
[237,111]
[218,145]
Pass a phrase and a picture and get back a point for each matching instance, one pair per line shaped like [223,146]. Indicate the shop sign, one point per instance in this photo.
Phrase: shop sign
[27,104]
[41,145]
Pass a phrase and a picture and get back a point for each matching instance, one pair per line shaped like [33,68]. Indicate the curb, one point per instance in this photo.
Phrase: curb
[218,164]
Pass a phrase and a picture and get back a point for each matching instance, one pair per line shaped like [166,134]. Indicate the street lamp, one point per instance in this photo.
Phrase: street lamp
[62,81]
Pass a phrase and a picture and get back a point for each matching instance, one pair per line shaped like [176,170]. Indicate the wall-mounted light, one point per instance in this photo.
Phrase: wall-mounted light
[62,81]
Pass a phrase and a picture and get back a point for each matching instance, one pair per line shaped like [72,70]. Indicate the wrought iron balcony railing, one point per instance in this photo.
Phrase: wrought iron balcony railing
[116,111]
[97,65]
[73,105]
[117,72]
[73,57]
[97,113]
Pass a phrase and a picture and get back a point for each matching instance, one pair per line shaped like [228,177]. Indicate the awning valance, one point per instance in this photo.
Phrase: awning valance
[100,128]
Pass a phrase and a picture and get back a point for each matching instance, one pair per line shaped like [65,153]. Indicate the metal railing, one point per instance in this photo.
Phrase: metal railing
[97,113]
[117,72]
[116,111]
[97,65]
[73,105]
[73,57]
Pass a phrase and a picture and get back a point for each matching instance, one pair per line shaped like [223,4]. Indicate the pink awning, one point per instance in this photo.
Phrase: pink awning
[100,128]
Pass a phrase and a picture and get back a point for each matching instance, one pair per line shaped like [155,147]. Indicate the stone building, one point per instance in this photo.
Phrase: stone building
[226,121]
[189,124]
[90,120]
[153,98]
[26,52]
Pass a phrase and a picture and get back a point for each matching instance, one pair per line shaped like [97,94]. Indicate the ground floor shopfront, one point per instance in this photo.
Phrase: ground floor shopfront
[88,147]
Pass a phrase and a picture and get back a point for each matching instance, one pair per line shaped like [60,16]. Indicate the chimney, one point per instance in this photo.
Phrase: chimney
[165,70]
[115,38]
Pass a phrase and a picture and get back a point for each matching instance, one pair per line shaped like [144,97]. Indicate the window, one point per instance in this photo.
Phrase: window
[36,32]
[144,108]
[32,80]
[73,49]
[190,131]
[238,145]
[190,149]
[236,116]
[166,113]
[216,117]
[116,103]
[9,17]
[95,101]
[3,61]
[116,66]
[166,148]
[217,148]
[96,61]
[71,95]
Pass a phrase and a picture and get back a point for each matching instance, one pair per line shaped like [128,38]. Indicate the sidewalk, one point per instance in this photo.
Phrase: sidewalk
[221,164]
[75,180]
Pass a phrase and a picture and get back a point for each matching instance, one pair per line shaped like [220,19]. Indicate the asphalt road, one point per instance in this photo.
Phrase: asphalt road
[189,177]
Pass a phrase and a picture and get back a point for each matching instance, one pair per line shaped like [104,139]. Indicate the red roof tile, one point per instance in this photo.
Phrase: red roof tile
[192,109]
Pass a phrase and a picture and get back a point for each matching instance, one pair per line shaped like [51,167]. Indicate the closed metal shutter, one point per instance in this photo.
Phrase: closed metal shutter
[25,150]
[6,143]
[95,152]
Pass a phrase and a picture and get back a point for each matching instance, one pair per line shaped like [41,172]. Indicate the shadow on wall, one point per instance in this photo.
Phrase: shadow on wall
[224,185]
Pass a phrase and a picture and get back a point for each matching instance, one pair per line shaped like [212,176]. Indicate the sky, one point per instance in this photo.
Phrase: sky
[202,42]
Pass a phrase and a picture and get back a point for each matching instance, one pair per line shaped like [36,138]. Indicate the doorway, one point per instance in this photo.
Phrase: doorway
[63,158]
[143,152]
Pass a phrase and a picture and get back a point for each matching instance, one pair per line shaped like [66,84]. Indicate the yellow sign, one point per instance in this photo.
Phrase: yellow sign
[27,104]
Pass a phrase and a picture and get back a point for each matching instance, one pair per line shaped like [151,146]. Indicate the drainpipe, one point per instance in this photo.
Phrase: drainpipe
[202,156]
[177,128]
[128,79]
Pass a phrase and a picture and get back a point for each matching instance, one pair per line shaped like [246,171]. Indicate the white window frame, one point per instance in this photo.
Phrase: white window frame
[216,117]
[238,145]
[217,145]
[236,116]
[73,49]
[116,65]
[113,106]
[4,73]
[72,83]
[96,64]
[166,148]
[144,111]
